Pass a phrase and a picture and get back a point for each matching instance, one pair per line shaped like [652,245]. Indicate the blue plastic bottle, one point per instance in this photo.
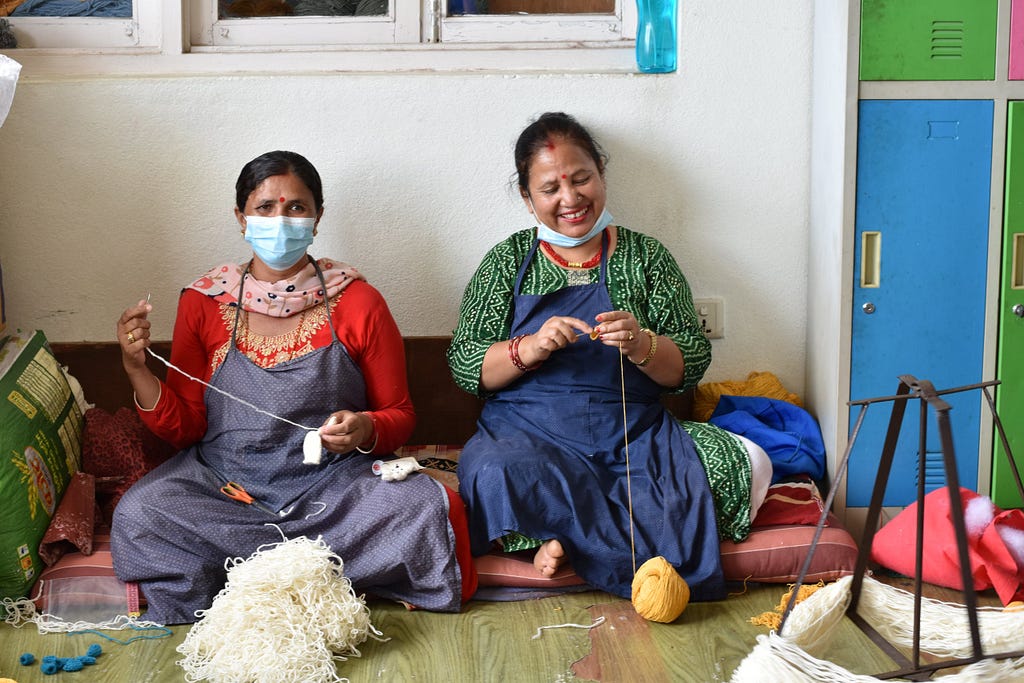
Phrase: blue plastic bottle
[656,36]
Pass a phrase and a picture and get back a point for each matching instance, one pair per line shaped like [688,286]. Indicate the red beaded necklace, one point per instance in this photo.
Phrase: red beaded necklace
[590,263]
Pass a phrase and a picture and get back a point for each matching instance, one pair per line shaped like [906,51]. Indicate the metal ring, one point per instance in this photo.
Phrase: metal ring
[131,338]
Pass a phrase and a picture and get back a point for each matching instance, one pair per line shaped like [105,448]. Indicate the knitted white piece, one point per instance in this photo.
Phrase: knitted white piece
[286,614]
[944,632]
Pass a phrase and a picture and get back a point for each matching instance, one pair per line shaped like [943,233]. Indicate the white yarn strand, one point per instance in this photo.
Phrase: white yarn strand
[22,611]
[944,633]
[540,629]
[287,614]
[224,393]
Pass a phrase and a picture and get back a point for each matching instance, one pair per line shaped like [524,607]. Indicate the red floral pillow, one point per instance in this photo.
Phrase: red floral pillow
[118,449]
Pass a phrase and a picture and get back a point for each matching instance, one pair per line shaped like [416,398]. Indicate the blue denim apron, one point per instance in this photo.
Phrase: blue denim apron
[549,461]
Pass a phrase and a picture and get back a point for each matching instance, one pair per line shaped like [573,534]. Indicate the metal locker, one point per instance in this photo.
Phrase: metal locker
[928,40]
[1010,350]
[920,259]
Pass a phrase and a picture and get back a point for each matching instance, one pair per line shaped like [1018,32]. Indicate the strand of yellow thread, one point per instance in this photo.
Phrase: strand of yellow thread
[625,436]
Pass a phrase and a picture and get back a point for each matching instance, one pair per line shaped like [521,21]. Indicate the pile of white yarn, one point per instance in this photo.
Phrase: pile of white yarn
[286,614]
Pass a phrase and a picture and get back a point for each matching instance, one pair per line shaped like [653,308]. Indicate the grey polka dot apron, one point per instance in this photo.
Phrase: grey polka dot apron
[173,529]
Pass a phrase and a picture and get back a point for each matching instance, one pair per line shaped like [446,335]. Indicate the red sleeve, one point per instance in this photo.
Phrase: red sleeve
[179,417]
[365,325]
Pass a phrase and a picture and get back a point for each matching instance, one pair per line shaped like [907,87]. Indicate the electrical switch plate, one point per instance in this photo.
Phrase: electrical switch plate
[711,313]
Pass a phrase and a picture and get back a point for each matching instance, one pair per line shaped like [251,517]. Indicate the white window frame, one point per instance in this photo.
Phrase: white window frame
[540,28]
[174,55]
[400,25]
[141,30]
[408,22]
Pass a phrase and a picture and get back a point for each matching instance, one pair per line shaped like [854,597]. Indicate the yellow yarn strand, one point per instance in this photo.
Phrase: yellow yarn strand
[659,593]
[625,438]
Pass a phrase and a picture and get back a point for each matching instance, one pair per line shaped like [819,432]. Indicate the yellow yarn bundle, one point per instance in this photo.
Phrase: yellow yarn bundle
[659,593]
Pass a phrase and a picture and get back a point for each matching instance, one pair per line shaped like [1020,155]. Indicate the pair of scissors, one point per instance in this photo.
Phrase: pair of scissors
[236,492]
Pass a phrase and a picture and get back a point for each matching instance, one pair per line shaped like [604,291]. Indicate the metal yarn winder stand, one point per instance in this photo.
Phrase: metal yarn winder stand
[912,388]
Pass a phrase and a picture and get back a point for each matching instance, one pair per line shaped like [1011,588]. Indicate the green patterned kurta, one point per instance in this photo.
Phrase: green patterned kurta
[643,278]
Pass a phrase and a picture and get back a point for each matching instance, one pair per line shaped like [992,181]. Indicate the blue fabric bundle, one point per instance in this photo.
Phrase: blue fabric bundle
[789,434]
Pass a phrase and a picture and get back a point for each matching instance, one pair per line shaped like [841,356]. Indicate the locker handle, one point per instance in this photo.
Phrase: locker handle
[1017,263]
[871,259]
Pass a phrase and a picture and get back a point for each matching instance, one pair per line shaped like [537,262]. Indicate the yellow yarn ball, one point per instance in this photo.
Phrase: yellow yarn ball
[659,593]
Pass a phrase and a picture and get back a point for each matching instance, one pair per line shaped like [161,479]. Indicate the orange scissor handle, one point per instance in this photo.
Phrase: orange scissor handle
[236,492]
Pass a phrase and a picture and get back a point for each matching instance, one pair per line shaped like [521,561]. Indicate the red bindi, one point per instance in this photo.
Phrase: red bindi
[281,200]
[564,176]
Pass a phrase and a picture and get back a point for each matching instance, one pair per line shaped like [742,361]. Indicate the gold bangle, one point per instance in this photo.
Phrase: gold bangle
[650,354]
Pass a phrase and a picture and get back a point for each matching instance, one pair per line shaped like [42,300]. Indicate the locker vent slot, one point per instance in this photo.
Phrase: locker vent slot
[947,40]
[934,471]
[1017,267]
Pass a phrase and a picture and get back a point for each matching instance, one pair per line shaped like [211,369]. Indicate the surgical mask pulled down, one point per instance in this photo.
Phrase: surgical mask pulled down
[547,234]
[279,241]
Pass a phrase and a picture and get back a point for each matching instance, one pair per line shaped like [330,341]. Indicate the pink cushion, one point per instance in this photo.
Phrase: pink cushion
[776,554]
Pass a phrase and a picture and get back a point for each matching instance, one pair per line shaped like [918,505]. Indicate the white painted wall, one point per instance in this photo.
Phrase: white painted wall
[114,188]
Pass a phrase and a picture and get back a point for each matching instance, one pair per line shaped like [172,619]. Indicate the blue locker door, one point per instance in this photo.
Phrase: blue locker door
[923,176]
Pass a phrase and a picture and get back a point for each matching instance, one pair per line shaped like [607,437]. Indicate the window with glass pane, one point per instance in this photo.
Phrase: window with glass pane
[93,24]
[242,9]
[66,8]
[463,7]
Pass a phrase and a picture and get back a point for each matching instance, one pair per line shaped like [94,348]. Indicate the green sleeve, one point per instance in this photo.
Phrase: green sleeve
[652,285]
[485,315]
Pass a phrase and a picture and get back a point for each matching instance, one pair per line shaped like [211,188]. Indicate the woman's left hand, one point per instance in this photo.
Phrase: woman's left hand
[345,431]
[621,329]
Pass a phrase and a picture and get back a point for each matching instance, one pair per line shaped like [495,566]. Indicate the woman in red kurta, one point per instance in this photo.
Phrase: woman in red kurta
[283,344]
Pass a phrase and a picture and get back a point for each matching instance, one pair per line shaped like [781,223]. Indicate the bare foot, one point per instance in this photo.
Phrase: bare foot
[549,557]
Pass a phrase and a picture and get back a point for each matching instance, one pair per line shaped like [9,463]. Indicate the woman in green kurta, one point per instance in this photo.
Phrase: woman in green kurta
[642,278]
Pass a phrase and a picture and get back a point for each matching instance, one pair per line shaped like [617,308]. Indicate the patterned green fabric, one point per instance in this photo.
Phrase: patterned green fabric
[727,464]
[514,541]
[643,278]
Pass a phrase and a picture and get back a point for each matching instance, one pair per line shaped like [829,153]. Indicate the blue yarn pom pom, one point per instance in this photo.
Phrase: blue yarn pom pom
[94,650]
[27,659]
[73,664]
[49,667]
[86,659]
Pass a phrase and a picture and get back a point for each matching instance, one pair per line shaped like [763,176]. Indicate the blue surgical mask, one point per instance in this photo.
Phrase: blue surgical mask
[546,234]
[279,241]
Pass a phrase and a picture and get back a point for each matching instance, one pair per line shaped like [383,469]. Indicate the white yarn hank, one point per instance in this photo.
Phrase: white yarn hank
[287,614]
[22,611]
[889,610]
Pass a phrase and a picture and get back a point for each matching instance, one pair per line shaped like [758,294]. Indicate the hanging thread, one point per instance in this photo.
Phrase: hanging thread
[659,593]
[224,393]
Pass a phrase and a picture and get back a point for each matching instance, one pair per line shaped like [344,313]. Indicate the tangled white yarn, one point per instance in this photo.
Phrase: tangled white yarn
[286,614]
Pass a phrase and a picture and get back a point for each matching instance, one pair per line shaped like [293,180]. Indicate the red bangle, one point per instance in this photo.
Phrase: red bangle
[513,354]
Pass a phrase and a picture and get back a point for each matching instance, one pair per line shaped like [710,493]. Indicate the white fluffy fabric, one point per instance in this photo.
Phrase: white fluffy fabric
[794,655]
[287,614]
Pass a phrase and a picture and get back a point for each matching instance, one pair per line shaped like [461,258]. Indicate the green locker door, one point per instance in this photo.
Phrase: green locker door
[1010,354]
[928,40]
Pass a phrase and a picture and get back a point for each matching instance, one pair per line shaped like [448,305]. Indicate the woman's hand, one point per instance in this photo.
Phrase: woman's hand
[556,333]
[133,335]
[346,430]
[621,329]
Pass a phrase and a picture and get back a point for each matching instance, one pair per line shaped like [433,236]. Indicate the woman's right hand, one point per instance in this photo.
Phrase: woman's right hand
[556,333]
[133,336]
